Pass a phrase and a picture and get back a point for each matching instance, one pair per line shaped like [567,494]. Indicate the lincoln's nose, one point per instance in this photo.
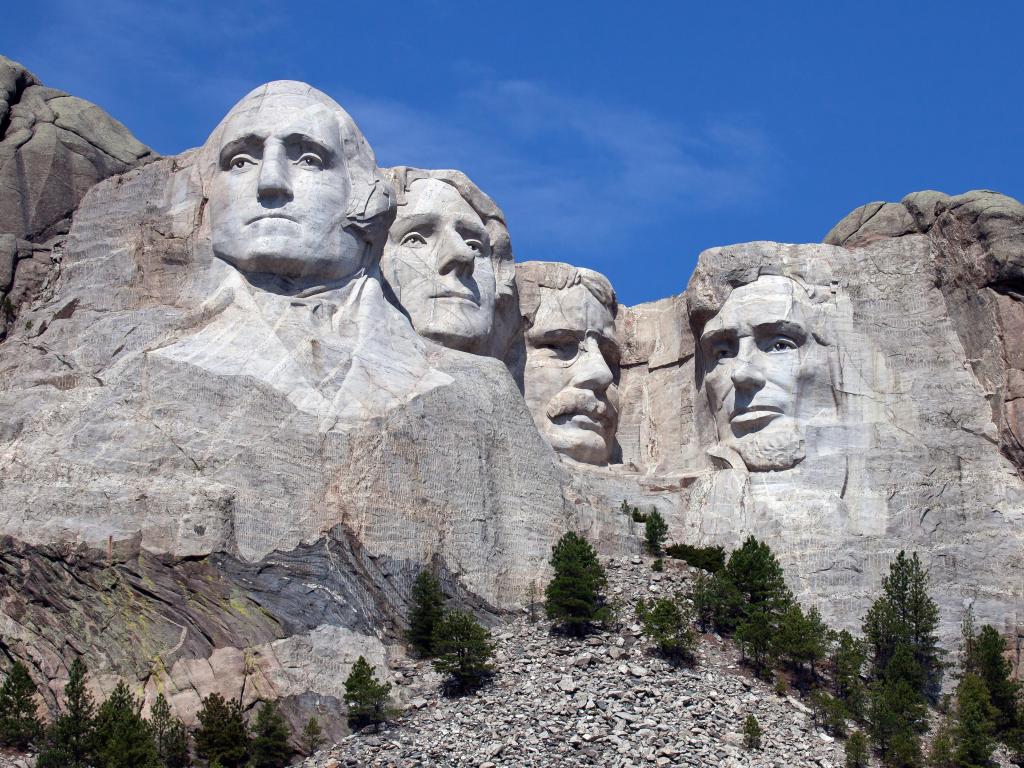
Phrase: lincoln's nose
[747,376]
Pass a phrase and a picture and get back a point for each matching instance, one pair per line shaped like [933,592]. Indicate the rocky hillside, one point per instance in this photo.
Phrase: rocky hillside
[606,700]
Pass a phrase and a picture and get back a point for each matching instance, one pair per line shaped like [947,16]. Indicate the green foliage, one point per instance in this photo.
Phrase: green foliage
[905,615]
[703,597]
[169,735]
[123,738]
[19,724]
[941,753]
[312,736]
[222,735]
[803,638]
[751,733]
[983,656]
[756,636]
[898,710]
[638,516]
[666,623]
[270,738]
[751,583]
[975,724]
[463,650]
[655,531]
[70,740]
[829,713]
[367,697]
[848,659]
[857,750]
[658,565]
[574,597]
[427,607]
[710,559]
[780,686]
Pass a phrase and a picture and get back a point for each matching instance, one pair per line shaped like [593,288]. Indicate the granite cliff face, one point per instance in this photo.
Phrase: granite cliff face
[229,440]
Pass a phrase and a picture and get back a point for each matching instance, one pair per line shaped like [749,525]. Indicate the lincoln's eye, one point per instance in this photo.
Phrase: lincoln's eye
[414,240]
[476,245]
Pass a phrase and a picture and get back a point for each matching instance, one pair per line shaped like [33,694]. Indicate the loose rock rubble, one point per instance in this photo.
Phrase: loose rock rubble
[605,700]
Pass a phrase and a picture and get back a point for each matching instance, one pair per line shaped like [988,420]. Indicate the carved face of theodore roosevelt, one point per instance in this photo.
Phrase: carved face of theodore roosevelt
[571,367]
[280,191]
[438,262]
[764,371]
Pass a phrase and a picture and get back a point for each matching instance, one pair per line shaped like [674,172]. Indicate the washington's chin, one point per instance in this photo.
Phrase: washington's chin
[582,439]
[279,256]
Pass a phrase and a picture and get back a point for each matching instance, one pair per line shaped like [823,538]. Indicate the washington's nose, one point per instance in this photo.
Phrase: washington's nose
[454,255]
[591,370]
[275,175]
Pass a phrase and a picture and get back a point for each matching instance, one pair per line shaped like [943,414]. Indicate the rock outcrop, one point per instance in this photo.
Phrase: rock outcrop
[226,451]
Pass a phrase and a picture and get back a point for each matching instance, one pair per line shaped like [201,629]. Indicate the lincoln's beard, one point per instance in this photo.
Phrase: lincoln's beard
[780,445]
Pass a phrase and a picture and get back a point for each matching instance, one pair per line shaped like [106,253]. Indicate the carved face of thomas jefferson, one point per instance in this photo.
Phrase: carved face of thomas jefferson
[280,191]
[763,371]
[437,260]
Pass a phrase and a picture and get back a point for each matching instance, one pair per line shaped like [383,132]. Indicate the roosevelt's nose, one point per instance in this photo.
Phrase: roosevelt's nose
[454,254]
[591,370]
[275,175]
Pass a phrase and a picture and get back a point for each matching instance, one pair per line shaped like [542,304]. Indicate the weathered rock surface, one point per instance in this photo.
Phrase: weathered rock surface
[53,148]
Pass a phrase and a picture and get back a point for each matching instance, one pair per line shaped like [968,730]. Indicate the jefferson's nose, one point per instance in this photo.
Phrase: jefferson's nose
[454,254]
[591,371]
[275,174]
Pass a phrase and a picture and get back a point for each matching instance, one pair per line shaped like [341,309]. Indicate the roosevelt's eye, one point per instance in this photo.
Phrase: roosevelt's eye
[414,240]
[240,161]
[310,160]
[781,344]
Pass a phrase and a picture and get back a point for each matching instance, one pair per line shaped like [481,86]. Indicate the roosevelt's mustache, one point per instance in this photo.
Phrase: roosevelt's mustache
[581,401]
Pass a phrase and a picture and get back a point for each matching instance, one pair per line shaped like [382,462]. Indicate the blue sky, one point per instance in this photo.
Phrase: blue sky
[622,137]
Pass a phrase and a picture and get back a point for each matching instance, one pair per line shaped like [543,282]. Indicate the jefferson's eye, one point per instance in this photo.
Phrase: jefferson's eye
[240,161]
[311,160]
[414,239]
[782,345]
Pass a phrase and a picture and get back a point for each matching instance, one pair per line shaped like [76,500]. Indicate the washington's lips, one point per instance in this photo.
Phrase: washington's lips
[754,413]
[263,216]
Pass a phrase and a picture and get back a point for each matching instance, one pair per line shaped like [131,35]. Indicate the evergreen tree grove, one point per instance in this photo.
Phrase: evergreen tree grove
[19,724]
[169,734]
[975,724]
[462,650]
[123,738]
[70,740]
[222,735]
[365,696]
[984,658]
[270,738]
[427,607]
[574,597]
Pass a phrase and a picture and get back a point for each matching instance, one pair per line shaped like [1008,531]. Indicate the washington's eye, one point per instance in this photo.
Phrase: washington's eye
[311,160]
[781,345]
[414,239]
[240,161]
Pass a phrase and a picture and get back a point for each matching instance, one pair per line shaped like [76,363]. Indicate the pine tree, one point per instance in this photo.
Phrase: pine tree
[312,736]
[751,733]
[898,710]
[270,738]
[751,581]
[986,660]
[123,738]
[802,638]
[655,531]
[857,750]
[70,740]
[19,724]
[169,735]
[427,607]
[365,696]
[463,650]
[848,659]
[702,596]
[829,713]
[222,735]
[756,636]
[666,623]
[906,615]
[941,753]
[574,596]
[975,724]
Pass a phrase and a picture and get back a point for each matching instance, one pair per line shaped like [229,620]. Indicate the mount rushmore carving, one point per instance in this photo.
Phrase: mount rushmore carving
[261,384]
